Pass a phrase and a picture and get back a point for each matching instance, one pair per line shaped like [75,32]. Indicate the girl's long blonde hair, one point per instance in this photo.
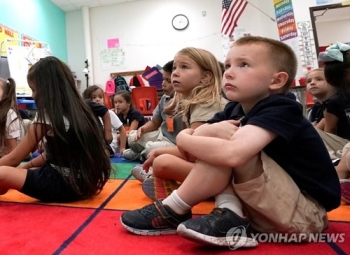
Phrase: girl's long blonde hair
[206,94]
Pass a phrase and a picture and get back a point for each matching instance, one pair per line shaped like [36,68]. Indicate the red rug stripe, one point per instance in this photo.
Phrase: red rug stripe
[43,229]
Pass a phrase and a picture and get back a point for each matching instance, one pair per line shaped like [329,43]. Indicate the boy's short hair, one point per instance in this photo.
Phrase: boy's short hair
[281,55]
[168,67]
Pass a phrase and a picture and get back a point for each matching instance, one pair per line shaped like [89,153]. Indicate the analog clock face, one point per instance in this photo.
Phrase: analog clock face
[180,22]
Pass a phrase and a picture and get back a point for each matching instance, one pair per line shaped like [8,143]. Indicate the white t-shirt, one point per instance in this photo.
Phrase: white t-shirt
[14,129]
[116,124]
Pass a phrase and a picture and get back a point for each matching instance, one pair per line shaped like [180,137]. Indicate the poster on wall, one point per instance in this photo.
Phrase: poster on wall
[20,59]
[284,12]
[112,55]
[27,41]
[7,33]
[307,43]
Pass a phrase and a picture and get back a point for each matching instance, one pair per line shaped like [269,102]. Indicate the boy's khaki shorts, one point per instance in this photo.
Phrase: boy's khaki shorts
[274,203]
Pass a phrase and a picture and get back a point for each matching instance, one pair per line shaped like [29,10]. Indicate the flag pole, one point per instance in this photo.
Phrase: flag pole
[261,11]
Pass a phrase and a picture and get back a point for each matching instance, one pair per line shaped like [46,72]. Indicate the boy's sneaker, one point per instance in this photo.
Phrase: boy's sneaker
[345,190]
[140,174]
[222,227]
[153,219]
[156,188]
[129,154]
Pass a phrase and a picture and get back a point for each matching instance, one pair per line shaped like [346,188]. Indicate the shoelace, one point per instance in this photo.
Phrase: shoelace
[214,213]
[148,210]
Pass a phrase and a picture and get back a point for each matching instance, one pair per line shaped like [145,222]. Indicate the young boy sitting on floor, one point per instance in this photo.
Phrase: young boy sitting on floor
[261,158]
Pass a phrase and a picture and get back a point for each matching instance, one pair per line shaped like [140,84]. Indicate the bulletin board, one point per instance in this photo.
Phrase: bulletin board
[20,58]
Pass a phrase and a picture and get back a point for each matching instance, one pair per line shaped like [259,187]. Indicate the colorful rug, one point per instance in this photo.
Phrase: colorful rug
[92,226]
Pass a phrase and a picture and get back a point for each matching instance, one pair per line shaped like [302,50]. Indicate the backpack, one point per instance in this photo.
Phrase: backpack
[120,84]
[110,87]
[137,81]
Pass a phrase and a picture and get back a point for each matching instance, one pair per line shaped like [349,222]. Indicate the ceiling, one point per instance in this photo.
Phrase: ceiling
[73,5]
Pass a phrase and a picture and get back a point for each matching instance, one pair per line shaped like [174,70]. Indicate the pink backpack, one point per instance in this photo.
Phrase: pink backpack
[110,87]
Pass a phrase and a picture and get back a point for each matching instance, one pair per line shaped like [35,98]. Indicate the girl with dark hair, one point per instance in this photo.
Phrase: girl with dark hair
[336,60]
[131,118]
[11,130]
[74,165]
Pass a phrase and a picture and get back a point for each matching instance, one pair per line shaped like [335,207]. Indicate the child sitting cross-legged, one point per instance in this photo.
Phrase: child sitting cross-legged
[95,94]
[160,131]
[255,158]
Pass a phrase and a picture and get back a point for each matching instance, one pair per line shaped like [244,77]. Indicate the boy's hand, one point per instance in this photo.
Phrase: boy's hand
[185,154]
[139,133]
[149,161]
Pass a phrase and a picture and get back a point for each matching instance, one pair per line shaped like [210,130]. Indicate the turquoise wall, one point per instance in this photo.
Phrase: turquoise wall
[39,19]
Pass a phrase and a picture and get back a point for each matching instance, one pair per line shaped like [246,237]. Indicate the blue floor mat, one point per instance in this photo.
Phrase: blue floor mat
[115,159]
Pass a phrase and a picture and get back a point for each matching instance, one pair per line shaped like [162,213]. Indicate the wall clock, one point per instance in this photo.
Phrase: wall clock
[180,22]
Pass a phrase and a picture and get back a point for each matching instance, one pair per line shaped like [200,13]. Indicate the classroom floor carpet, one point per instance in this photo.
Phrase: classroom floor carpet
[92,226]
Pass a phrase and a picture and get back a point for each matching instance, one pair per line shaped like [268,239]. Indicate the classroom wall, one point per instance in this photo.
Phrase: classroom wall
[329,32]
[147,36]
[39,19]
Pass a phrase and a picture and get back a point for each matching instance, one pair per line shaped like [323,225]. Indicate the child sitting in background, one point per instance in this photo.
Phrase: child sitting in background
[334,128]
[131,118]
[337,71]
[318,87]
[95,94]
[11,126]
[161,130]
[196,79]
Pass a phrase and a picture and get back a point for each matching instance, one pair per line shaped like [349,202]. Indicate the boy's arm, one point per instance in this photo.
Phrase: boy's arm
[107,127]
[321,125]
[330,123]
[243,145]
[150,126]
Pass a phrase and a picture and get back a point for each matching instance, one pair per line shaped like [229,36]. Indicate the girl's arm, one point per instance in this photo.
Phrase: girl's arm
[10,144]
[27,145]
[122,139]
[107,127]
[36,162]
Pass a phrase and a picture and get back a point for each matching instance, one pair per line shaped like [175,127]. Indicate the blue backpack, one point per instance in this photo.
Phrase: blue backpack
[120,84]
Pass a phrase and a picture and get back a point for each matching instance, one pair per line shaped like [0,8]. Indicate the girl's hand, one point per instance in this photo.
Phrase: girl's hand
[23,166]
[185,155]
[121,151]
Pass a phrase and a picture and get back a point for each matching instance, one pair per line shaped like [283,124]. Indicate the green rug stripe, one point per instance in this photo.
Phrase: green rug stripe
[121,170]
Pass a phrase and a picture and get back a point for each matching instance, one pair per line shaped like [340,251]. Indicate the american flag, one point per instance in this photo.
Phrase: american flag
[231,11]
